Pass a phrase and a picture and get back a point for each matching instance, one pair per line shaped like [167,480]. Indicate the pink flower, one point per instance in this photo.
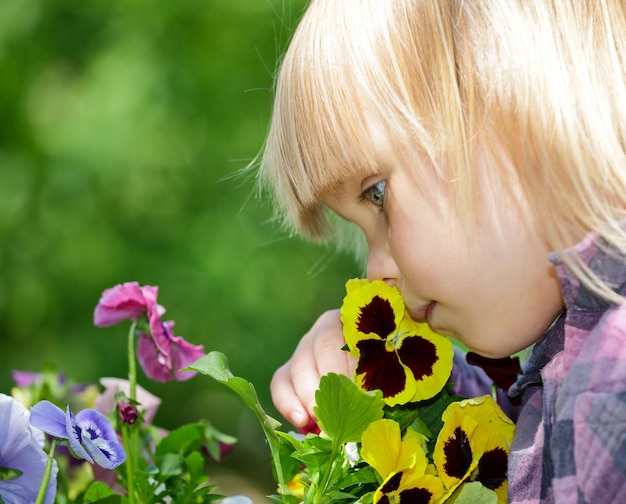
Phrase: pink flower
[125,301]
[162,355]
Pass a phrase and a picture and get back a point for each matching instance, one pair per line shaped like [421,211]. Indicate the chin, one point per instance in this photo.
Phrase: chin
[495,354]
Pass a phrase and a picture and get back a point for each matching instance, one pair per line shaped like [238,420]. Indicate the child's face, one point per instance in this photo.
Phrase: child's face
[496,292]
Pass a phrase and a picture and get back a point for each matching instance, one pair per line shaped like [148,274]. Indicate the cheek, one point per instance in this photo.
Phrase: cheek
[415,246]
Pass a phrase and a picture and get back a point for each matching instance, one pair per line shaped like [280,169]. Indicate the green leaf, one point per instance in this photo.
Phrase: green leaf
[195,465]
[343,410]
[215,365]
[365,475]
[470,493]
[284,499]
[183,439]
[101,493]
[288,446]
[430,411]
[171,465]
[6,473]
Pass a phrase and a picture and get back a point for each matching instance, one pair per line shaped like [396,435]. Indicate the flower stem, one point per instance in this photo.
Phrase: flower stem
[46,474]
[321,489]
[130,462]
[132,367]
[128,431]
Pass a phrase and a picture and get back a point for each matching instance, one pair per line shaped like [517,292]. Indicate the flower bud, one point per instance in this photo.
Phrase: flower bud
[128,413]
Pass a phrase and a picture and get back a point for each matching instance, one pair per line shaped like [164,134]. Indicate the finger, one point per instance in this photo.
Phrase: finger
[285,398]
[304,373]
[328,348]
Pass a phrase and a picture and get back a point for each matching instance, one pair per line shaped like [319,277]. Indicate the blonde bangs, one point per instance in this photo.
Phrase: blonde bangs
[340,87]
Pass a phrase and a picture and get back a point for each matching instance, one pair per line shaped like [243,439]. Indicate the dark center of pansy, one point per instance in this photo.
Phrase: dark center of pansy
[392,484]
[409,496]
[377,317]
[458,454]
[415,496]
[382,369]
[419,354]
[492,468]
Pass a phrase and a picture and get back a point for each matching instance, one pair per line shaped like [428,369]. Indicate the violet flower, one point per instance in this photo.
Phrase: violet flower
[21,453]
[89,434]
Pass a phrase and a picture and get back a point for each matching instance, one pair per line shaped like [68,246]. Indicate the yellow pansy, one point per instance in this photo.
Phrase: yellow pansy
[474,444]
[383,447]
[404,359]
[401,462]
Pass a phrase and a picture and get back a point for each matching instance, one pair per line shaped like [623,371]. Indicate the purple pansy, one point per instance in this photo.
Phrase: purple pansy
[21,452]
[160,354]
[89,433]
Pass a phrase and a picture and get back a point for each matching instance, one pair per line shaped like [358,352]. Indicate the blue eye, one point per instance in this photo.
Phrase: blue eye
[376,194]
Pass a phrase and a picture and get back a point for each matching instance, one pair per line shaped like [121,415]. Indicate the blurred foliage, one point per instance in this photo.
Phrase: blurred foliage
[125,126]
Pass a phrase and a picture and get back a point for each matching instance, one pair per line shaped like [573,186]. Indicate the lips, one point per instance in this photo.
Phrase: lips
[423,313]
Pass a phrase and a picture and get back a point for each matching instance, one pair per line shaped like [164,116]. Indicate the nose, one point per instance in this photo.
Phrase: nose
[381,264]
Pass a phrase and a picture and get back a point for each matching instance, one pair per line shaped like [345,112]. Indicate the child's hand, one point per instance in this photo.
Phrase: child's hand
[318,353]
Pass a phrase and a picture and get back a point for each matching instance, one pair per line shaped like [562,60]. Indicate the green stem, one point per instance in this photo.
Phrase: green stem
[46,474]
[274,444]
[132,367]
[128,432]
[130,462]
[326,475]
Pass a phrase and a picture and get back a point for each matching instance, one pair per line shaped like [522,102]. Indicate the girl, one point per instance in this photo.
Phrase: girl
[480,146]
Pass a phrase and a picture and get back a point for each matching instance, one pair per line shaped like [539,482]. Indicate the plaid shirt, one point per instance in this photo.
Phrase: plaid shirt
[570,439]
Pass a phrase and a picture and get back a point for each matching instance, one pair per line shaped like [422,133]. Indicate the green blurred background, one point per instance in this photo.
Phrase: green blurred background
[124,127]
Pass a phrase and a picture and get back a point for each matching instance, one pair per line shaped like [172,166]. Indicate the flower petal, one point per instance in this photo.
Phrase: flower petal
[429,356]
[75,437]
[99,439]
[376,317]
[379,369]
[383,447]
[124,301]
[94,425]
[492,468]
[49,418]
[183,354]
[155,364]
[409,487]
[106,454]
[20,449]
[373,308]
[25,378]
[474,444]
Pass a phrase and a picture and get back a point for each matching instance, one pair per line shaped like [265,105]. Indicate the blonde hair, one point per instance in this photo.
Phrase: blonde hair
[540,86]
